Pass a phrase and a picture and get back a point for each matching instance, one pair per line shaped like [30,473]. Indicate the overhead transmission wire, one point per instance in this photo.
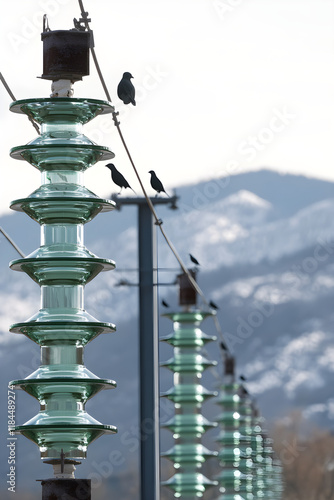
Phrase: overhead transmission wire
[9,239]
[5,84]
[12,96]
[158,222]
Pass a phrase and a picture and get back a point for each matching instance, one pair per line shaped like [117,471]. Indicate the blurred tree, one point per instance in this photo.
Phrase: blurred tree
[307,460]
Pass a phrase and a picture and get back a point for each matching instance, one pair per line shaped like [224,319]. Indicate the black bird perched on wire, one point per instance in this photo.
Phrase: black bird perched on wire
[156,183]
[125,90]
[244,391]
[164,303]
[213,305]
[118,178]
[194,260]
[223,346]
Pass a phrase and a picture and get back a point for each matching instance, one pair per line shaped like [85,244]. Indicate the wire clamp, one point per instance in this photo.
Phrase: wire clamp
[114,117]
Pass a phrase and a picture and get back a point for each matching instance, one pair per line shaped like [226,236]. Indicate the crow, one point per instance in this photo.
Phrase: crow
[125,90]
[164,303]
[156,183]
[118,178]
[244,391]
[193,260]
[223,346]
[213,305]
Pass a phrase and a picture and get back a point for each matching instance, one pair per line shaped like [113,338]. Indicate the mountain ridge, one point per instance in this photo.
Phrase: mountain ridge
[267,260]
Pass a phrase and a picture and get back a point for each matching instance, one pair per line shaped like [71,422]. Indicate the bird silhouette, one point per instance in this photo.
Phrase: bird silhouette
[213,305]
[243,391]
[125,89]
[223,346]
[194,260]
[164,303]
[118,178]
[156,183]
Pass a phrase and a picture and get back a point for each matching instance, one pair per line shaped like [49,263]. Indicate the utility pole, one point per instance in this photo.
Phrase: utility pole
[148,344]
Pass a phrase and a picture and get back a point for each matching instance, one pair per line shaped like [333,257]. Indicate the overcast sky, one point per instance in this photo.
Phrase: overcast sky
[223,86]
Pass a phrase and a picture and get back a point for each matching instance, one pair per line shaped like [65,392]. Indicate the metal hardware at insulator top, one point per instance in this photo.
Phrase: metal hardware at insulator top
[187,293]
[54,489]
[65,55]
[229,365]
[65,58]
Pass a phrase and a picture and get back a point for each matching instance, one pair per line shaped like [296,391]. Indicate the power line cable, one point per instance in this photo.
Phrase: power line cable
[158,221]
[12,242]
[84,17]
[5,84]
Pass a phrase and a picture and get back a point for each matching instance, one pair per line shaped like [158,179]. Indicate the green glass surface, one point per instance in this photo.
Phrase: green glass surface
[189,485]
[187,454]
[66,270]
[61,144]
[232,477]
[62,266]
[188,395]
[236,439]
[61,156]
[188,337]
[65,185]
[234,419]
[228,400]
[185,394]
[194,318]
[72,439]
[82,388]
[193,363]
[62,257]
[44,332]
[61,141]
[61,110]
[193,424]
[232,454]
[56,210]
[68,371]
[59,252]
[234,497]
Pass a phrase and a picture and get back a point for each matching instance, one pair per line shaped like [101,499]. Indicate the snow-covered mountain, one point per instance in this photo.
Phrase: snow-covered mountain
[265,243]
